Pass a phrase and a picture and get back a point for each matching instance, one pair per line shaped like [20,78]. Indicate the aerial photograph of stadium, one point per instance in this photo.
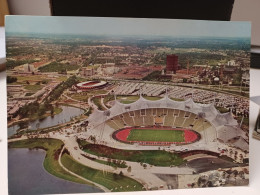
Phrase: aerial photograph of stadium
[121,104]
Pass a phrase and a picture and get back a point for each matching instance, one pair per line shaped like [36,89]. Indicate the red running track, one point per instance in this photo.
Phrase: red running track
[122,135]
[189,135]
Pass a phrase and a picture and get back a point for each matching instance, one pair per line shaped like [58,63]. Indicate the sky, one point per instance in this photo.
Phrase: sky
[126,26]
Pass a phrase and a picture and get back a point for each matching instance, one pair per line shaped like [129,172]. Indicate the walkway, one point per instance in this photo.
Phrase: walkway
[145,176]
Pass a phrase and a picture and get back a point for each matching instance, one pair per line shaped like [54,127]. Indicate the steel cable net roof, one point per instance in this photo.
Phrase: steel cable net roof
[210,112]
[226,133]
[234,136]
[241,143]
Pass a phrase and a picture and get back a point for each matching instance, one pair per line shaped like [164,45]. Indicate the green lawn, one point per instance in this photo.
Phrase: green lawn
[34,78]
[152,98]
[222,110]
[97,102]
[33,88]
[177,99]
[133,98]
[62,78]
[29,94]
[58,67]
[51,164]
[57,110]
[111,164]
[156,135]
[83,96]
[80,96]
[152,157]
[109,180]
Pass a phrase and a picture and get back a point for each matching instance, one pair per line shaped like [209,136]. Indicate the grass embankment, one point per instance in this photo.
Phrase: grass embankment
[51,164]
[97,102]
[152,157]
[107,99]
[111,181]
[156,135]
[112,163]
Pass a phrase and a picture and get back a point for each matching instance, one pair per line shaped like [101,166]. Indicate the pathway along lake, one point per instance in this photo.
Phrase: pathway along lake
[27,175]
[67,113]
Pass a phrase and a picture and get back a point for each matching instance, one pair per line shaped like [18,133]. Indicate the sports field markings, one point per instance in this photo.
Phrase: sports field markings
[156,135]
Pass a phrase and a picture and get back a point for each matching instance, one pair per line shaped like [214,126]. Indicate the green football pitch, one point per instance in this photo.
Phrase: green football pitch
[156,135]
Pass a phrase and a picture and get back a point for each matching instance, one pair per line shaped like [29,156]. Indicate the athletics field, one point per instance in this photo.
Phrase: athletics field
[156,135]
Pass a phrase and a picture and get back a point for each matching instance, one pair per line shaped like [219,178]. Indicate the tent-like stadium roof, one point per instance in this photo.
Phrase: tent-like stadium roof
[210,113]
[241,143]
[226,133]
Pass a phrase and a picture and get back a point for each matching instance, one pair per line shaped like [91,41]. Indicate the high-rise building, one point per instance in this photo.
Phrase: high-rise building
[172,63]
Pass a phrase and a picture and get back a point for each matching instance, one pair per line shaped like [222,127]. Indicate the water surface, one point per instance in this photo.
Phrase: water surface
[27,176]
[66,115]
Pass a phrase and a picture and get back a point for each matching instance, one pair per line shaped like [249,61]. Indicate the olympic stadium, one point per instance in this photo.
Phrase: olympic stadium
[154,123]
[169,138]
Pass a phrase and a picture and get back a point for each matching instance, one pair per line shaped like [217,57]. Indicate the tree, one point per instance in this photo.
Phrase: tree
[121,174]
[23,124]
[11,79]
[129,169]
[41,111]
[52,111]
[44,81]
[109,161]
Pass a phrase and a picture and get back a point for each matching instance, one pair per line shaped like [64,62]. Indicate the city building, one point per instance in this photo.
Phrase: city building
[87,72]
[171,64]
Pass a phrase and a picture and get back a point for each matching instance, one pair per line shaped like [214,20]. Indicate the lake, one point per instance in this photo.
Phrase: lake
[27,176]
[67,113]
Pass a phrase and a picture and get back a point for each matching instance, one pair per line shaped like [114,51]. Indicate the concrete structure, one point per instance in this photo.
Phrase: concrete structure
[87,72]
[91,85]
[28,67]
[216,127]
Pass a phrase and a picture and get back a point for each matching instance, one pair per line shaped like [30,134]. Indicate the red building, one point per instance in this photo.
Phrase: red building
[172,64]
